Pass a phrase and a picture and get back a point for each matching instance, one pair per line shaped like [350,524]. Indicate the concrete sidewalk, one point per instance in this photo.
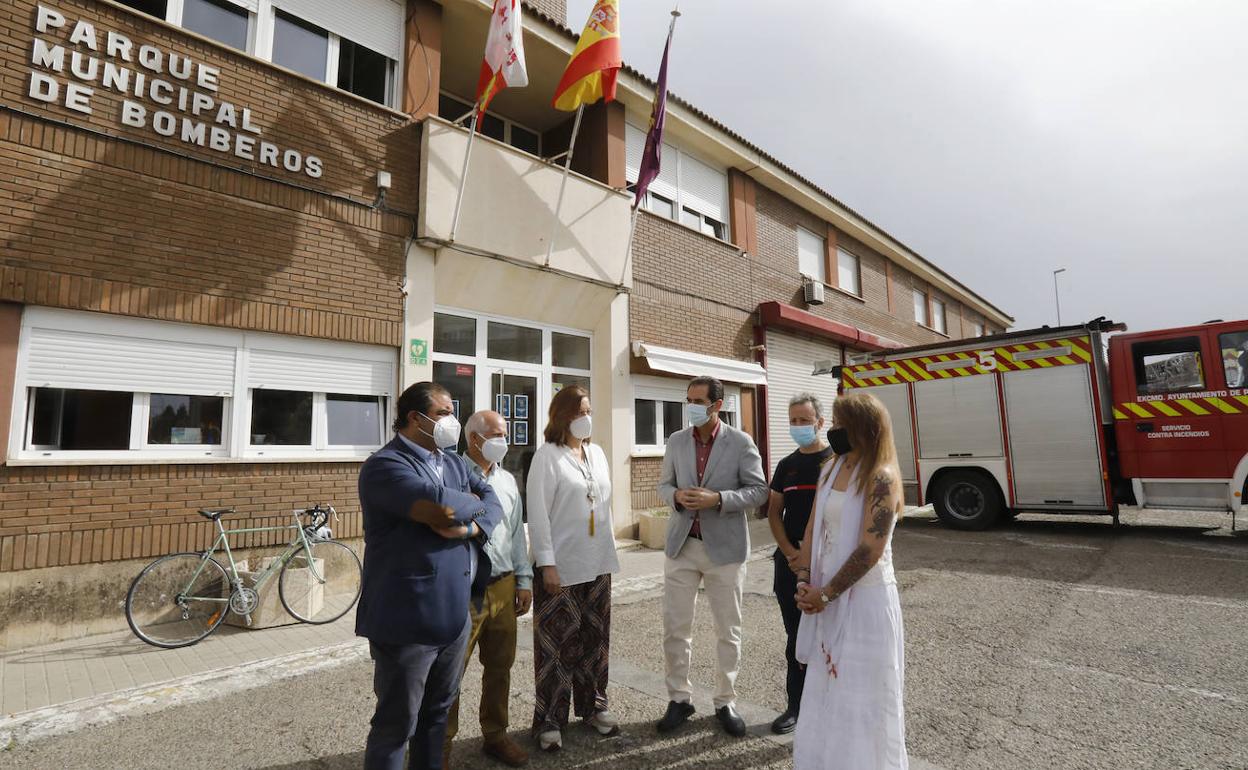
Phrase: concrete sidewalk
[100,677]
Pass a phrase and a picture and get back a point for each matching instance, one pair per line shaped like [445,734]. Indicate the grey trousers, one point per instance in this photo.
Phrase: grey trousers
[415,686]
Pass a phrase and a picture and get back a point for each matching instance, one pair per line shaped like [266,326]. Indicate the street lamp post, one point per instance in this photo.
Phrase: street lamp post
[1057,297]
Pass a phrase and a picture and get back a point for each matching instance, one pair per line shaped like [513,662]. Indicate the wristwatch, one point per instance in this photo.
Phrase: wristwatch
[824,596]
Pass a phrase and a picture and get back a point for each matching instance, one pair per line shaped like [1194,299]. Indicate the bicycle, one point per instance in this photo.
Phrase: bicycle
[181,598]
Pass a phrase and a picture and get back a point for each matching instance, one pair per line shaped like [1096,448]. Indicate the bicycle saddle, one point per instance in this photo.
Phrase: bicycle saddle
[214,513]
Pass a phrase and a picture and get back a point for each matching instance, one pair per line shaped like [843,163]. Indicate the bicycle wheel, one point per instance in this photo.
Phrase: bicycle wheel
[175,602]
[327,590]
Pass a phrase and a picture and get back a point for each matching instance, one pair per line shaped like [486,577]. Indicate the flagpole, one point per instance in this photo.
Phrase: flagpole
[567,166]
[628,250]
[463,175]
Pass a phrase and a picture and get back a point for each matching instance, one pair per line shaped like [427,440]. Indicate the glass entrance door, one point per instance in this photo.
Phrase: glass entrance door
[514,395]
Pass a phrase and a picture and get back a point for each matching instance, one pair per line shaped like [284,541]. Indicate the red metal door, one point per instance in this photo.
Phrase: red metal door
[1167,395]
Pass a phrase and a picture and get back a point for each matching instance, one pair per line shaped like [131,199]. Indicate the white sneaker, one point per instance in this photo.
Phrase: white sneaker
[551,740]
[605,723]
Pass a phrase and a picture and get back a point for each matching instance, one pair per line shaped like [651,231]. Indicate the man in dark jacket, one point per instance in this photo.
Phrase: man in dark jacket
[426,519]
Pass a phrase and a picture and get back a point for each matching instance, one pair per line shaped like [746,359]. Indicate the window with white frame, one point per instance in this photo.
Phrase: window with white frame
[920,308]
[221,20]
[92,386]
[353,46]
[938,316]
[492,125]
[300,46]
[686,190]
[811,255]
[659,411]
[848,275]
[977,329]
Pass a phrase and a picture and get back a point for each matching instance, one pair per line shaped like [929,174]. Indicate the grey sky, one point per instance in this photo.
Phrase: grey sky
[1001,139]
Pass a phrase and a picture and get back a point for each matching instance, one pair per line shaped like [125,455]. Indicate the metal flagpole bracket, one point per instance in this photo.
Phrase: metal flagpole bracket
[563,184]
[463,175]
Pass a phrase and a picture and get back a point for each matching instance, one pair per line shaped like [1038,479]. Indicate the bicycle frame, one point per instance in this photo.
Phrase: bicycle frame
[299,542]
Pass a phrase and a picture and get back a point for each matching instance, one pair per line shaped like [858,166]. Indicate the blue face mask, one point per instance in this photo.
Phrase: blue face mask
[804,435]
[697,415]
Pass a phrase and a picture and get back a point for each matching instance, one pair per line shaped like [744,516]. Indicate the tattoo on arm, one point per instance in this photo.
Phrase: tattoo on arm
[857,565]
[882,512]
[864,557]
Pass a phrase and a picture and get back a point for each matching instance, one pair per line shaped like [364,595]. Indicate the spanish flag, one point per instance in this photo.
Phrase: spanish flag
[591,71]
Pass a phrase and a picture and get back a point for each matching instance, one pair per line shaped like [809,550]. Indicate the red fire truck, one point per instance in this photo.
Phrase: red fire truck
[1075,419]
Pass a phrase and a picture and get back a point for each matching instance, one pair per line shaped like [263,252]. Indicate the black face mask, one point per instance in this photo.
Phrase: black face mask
[838,439]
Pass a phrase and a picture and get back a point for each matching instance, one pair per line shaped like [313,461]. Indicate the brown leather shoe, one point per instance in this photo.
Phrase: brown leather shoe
[507,751]
[446,758]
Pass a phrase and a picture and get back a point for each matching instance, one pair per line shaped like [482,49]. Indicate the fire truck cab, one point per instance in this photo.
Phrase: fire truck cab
[1181,415]
[1067,420]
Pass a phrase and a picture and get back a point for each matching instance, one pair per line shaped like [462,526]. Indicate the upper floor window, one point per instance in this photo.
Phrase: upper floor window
[363,72]
[353,46]
[300,46]
[848,272]
[220,20]
[938,316]
[811,259]
[977,329]
[492,125]
[687,190]
[920,308]
[157,8]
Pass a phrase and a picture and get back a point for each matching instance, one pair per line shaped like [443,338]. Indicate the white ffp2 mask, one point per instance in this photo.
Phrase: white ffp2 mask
[582,427]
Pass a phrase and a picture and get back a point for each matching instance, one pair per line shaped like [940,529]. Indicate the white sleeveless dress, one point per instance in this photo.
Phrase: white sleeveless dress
[853,719]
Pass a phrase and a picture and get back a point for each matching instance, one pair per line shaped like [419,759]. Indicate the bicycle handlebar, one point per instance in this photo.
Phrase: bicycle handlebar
[319,516]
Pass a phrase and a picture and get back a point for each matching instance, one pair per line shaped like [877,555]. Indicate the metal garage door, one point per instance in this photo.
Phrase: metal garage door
[790,363]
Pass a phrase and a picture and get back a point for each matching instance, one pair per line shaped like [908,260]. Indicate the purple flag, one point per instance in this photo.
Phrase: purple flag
[651,159]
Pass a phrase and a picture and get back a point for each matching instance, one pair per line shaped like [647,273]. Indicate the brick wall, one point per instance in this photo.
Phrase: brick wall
[780,279]
[76,515]
[645,479]
[354,137]
[104,217]
[692,292]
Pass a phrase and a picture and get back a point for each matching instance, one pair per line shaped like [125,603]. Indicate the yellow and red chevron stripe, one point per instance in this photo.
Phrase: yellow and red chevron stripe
[1181,407]
[968,363]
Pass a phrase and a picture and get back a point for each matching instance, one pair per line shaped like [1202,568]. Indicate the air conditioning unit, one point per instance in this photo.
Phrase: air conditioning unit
[812,291]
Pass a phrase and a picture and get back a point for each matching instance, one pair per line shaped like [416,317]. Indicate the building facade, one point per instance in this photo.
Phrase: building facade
[232,238]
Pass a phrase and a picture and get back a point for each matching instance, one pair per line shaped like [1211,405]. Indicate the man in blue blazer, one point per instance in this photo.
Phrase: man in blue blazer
[426,519]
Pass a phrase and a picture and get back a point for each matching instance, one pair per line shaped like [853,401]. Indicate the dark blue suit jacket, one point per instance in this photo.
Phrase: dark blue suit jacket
[416,586]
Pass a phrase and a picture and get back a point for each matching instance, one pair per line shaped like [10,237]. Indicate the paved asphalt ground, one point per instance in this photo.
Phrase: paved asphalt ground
[1047,643]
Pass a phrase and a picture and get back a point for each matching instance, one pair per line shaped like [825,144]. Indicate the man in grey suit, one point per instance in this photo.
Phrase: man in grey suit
[712,476]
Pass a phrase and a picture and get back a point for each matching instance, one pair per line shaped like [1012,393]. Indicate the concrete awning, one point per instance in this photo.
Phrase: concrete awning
[698,365]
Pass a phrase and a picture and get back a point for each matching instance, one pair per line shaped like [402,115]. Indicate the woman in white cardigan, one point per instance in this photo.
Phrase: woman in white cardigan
[573,544]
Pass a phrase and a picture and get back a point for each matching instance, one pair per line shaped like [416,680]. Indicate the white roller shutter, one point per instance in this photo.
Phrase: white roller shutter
[1054,447]
[318,372]
[958,417]
[896,399]
[374,24]
[64,358]
[790,365]
[634,147]
[703,189]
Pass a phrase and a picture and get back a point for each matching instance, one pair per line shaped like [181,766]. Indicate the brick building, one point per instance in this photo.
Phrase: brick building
[231,241]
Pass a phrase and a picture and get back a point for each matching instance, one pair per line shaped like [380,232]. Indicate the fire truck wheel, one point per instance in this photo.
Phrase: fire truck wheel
[968,500]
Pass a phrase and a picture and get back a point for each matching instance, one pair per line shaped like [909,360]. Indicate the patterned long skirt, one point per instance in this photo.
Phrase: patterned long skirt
[571,642]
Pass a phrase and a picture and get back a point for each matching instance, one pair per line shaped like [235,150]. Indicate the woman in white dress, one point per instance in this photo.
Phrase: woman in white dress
[850,638]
